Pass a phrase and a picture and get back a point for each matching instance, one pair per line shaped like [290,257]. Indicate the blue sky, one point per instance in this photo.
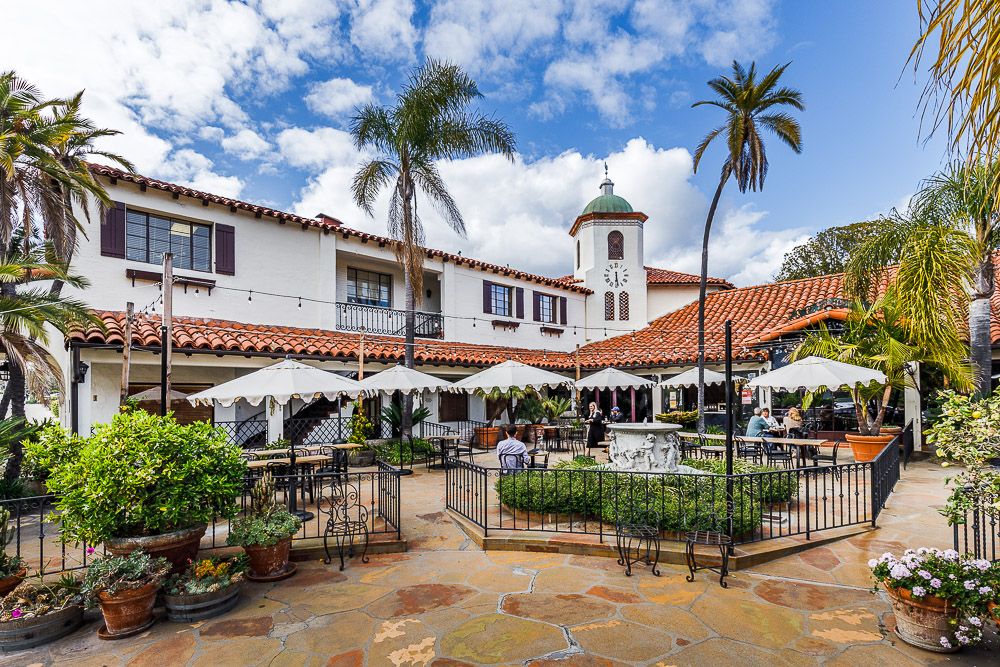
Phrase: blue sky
[252,100]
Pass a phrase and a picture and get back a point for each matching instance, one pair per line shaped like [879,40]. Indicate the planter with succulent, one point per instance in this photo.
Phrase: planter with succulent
[142,481]
[12,568]
[209,587]
[939,597]
[39,612]
[265,534]
[125,587]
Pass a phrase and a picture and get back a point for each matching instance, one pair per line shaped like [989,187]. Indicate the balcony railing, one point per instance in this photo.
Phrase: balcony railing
[386,321]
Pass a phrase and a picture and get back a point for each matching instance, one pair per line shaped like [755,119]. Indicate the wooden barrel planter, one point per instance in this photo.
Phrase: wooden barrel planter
[487,436]
[191,608]
[24,633]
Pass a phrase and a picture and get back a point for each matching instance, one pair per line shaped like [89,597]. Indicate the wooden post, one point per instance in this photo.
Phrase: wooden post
[167,331]
[576,391]
[126,351]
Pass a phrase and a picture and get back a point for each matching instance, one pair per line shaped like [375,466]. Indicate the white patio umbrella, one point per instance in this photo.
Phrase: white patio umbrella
[689,378]
[153,394]
[510,375]
[612,378]
[401,378]
[813,373]
[281,382]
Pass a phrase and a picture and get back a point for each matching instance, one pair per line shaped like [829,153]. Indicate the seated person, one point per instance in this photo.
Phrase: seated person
[757,425]
[772,423]
[511,451]
[616,416]
[793,422]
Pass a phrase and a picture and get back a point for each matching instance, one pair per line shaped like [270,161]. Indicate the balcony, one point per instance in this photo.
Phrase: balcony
[387,321]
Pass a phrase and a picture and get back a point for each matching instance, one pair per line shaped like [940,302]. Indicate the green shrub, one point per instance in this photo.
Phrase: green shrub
[678,502]
[389,451]
[51,447]
[142,474]
[684,418]
[9,565]
[779,486]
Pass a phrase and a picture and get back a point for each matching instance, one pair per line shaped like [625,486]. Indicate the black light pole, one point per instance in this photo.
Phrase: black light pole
[164,343]
[729,428]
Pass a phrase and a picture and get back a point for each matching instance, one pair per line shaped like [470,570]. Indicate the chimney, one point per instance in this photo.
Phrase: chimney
[328,220]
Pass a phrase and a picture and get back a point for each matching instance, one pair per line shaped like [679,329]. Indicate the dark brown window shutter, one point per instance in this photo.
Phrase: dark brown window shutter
[225,250]
[487,298]
[562,309]
[536,306]
[519,296]
[113,231]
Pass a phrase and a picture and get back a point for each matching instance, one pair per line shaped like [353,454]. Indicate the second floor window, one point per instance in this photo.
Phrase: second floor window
[502,300]
[148,236]
[369,288]
[547,308]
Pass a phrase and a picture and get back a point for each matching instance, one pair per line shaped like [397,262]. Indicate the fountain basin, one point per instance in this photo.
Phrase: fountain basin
[650,447]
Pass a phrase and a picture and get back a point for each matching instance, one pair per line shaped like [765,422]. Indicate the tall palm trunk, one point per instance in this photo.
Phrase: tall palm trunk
[702,290]
[410,334]
[16,455]
[979,324]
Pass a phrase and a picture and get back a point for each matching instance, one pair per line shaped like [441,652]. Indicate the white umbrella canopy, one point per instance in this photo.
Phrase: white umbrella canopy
[283,381]
[153,394]
[612,378]
[689,378]
[508,375]
[401,378]
[813,373]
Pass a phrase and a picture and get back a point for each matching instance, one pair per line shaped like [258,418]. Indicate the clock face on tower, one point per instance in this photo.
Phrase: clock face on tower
[616,275]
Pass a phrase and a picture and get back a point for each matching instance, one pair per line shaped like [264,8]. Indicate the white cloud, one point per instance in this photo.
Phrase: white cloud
[537,201]
[246,145]
[194,170]
[332,98]
[384,28]
[317,149]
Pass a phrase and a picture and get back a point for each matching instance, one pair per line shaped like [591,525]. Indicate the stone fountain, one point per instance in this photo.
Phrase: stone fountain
[651,447]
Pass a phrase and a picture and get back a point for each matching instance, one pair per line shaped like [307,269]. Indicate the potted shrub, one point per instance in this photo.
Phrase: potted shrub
[503,402]
[142,481]
[939,598]
[207,588]
[125,587]
[36,613]
[265,534]
[12,568]
[879,336]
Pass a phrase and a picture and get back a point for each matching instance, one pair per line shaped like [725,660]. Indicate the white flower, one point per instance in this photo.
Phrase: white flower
[969,585]
[919,591]
[985,590]
[935,583]
[872,563]
[899,571]
[974,620]
[945,643]
[925,574]
[949,554]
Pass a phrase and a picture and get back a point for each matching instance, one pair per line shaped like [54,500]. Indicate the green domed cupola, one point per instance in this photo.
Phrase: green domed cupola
[607,201]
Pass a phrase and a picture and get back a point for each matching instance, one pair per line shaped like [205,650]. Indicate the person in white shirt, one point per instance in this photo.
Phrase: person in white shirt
[511,451]
[772,423]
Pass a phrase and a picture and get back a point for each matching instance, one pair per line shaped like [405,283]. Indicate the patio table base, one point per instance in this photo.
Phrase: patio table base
[709,538]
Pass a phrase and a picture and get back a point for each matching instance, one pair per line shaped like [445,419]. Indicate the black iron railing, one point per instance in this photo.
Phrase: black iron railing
[766,505]
[426,429]
[245,433]
[37,539]
[978,532]
[387,321]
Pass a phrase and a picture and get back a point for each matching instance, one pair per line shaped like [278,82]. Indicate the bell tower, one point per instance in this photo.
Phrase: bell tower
[608,259]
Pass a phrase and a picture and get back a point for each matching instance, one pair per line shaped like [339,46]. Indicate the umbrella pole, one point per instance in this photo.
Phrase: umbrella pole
[293,492]
[729,430]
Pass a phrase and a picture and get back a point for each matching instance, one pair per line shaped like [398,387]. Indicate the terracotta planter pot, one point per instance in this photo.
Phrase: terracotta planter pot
[129,610]
[487,436]
[994,610]
[867,447]
[923,622]
[179,547]
[7,584]
[268,561]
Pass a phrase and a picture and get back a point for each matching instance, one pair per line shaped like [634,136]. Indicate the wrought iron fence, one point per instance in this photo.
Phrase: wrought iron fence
[245,433]
[979,531]
[37,539]
[765,505]
[426,429]
[376,320]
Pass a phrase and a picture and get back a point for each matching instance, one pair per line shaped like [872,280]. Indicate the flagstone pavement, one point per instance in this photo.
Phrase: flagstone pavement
[446,603]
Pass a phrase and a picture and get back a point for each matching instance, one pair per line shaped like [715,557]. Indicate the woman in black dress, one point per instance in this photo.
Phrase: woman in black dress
[595,423]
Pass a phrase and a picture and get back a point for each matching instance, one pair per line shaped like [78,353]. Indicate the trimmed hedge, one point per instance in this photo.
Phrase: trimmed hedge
[389,451]
[676,502]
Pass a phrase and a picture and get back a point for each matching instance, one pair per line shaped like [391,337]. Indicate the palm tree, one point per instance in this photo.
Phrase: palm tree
[27,314]
[429,121]
[750,106]
[943,248]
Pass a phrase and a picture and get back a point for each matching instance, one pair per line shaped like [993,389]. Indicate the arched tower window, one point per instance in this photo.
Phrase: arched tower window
[616,245]
[609,305]
[623,306]
[578,254]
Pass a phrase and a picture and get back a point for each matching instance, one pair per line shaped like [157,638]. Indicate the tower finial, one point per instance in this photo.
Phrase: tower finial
[605,169]
[607,187]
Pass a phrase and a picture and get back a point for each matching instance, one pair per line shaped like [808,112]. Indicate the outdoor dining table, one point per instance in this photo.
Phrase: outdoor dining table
[444,443]
[304,460]
[801,445]
[284,450]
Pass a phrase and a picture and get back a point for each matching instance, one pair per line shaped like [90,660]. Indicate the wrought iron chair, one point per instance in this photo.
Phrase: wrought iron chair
[776,455]
[748,450]
[347,519]
[510,462]
[831,457]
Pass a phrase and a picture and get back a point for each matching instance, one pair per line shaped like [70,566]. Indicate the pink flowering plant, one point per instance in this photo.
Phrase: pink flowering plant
[968,584]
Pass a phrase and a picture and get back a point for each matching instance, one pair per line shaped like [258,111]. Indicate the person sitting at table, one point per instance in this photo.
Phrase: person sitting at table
[616,416]
[793,422]
[511,451]
[757,426]
[772,423]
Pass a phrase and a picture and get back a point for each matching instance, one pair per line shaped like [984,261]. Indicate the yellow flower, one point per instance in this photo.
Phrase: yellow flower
[977,414]
[945,464]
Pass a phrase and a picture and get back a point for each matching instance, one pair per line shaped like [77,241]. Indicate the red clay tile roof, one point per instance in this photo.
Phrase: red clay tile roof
[326,223]
[192,333]
[655,276]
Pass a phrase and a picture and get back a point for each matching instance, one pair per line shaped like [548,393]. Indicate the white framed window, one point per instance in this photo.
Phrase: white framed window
[369,288]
